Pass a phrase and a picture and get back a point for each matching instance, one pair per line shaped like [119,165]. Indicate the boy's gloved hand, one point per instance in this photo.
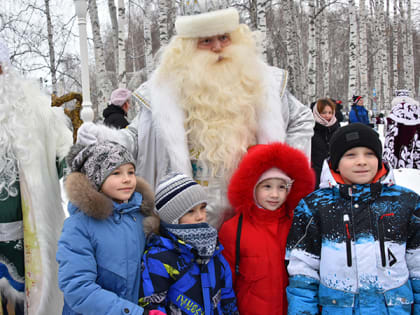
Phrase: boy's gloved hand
[154,312]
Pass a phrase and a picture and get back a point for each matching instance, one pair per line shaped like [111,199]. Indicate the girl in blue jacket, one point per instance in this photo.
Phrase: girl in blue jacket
[102,241]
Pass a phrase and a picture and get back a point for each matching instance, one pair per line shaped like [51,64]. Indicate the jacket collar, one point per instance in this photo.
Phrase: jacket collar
[84,197]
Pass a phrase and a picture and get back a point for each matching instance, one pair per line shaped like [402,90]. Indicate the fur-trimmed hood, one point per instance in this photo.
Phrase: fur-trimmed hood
[84,196]
[261,158]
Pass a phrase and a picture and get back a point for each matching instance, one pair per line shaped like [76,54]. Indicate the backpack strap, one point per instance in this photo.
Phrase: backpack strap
[238,245]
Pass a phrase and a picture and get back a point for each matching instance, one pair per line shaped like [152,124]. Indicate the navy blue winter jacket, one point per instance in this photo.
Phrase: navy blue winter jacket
[174,282]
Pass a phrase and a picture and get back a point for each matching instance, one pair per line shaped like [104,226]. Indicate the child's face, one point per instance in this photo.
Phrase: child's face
[198,214]
[271,193]
[358,165]
[120,185]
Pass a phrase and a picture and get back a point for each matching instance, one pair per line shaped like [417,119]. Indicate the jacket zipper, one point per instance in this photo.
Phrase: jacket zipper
[381,237]
[346,220]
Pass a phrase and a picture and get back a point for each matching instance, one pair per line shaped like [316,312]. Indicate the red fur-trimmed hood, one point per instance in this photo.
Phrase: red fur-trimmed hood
[261,158]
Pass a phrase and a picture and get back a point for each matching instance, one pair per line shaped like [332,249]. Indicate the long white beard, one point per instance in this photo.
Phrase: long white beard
[15,125]
[221,100]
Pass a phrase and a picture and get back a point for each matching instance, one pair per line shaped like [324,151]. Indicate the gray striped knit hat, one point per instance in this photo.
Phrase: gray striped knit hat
[177,194]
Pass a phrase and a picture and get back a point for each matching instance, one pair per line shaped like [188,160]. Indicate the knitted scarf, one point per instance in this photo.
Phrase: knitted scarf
[201,236]
[320,120]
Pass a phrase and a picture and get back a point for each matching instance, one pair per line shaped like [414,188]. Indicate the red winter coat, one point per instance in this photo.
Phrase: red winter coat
[261,284]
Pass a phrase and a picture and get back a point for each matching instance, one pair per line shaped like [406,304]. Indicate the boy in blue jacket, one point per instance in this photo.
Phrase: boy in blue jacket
[102,241]
[354,246]
[184,271]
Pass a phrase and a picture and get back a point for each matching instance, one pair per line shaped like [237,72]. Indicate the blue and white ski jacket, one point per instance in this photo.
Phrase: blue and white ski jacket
[355,249]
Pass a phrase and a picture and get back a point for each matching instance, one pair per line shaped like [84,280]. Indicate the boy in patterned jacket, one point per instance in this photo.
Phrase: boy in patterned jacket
[184,271]
[354,246]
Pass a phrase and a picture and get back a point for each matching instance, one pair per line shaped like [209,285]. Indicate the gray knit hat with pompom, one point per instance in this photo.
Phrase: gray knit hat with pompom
[97,161]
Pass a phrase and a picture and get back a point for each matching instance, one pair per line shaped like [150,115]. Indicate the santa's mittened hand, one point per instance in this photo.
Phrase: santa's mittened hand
[87,133]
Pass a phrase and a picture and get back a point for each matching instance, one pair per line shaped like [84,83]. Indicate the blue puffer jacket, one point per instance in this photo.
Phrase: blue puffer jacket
[174,282]
[359,114]
[355,249]
[100,259]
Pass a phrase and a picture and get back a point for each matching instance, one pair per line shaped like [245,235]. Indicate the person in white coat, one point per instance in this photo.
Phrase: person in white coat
[34,139]
[210,99]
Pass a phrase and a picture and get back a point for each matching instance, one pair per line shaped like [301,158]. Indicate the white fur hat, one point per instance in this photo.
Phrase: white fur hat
[207,24]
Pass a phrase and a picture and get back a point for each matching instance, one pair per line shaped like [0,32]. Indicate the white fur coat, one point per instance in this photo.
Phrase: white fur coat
[43,214]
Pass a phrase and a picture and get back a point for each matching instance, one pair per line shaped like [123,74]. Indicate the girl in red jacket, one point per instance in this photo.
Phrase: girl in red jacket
[268,184]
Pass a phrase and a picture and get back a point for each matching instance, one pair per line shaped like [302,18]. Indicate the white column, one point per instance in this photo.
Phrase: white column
[87,112]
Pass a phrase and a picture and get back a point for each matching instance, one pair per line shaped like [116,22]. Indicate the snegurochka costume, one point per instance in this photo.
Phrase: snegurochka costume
[31,221]
[402,135]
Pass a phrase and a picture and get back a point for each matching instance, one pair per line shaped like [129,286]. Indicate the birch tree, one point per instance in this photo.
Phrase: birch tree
[103,84]
[396,41]
[384,55]
[363,64]
[324,46]
[114,23]
[262,24]
[352,52]
[404,47]
[291,46]
[377,60]
[122,36]
[163,21]
[147,28]
[53,67]
[410,53]
[312,52]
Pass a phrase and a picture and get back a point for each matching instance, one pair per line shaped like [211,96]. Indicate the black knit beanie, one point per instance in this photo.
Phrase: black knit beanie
[351,136]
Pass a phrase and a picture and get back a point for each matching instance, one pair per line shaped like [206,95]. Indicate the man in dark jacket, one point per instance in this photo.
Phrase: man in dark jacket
[117,109]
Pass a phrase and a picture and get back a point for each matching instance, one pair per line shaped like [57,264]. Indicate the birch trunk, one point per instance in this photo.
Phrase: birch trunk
[53,67]
[410,68]
[403,60]
[396,41]
[324,45]
[384,56]
[262,25]
[103,85]
[291,46]
[303,82]
[163,22]
[352,52]
[377,69]
[312,52]
[122,36]
[363,64]
[147,27]
[114,24]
